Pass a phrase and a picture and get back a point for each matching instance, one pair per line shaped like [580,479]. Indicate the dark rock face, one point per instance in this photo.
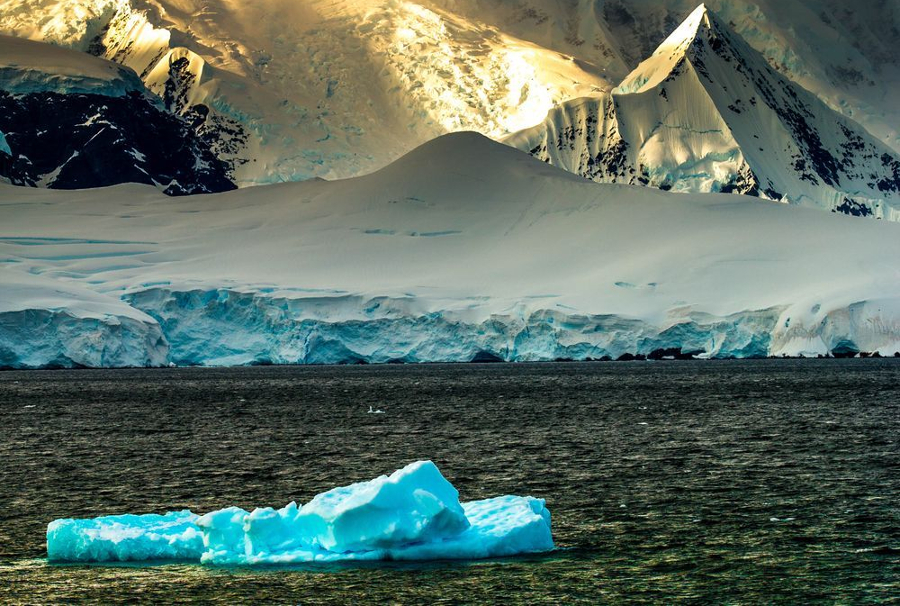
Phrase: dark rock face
[596,130]
[853,208]
[225,137]
[82,140]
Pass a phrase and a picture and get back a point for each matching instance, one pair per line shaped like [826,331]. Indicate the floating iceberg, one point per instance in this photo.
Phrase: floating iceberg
[413,514]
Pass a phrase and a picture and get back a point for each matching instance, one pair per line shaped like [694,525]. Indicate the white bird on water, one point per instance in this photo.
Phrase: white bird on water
[376,412]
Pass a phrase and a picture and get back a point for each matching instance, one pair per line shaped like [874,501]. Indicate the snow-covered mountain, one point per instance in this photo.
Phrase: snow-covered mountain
[707,113]
[463,249]
[844,52]
[291,89]
[69,120]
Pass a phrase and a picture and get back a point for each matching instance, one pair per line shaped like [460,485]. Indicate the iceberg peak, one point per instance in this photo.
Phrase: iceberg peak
[413,504]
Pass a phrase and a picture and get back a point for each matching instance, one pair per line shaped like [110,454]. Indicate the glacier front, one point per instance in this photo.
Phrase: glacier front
[413,514]
[465,249]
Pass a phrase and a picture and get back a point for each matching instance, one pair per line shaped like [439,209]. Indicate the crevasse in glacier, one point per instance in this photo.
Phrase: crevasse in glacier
[413,514]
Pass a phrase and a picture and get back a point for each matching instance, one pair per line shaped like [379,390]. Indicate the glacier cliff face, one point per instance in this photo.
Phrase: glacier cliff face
[221,327]
[227,328]
[48,324]
[41,338]
[31,67]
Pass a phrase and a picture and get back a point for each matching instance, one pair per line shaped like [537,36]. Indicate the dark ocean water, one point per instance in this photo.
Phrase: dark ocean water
[728,482]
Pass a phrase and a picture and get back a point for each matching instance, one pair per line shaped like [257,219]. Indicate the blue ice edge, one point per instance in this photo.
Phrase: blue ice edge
[412,515]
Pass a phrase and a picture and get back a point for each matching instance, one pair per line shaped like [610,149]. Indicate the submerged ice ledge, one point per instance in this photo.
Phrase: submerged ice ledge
[413,514]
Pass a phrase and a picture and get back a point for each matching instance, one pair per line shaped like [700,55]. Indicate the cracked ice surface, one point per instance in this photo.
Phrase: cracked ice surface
[413,514]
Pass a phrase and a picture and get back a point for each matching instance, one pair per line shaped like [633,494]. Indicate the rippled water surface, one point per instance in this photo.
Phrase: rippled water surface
[732,482]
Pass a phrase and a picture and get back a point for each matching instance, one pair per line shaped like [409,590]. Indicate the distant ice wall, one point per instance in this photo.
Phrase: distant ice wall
[45,338]
[46,323]
[223,327]
[230,328]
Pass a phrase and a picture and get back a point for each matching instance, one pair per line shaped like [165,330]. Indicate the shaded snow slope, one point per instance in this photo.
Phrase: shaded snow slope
[707,113]
[292,89]
[843,52]
[465,249]
[70,120]
[31,67]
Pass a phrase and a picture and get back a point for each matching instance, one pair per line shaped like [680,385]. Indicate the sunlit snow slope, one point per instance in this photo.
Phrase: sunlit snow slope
[463,249]
[316,88]
[707,113]
[290,89]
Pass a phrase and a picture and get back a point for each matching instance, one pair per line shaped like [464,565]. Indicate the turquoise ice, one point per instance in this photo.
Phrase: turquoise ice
[413,514]
[121,538]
